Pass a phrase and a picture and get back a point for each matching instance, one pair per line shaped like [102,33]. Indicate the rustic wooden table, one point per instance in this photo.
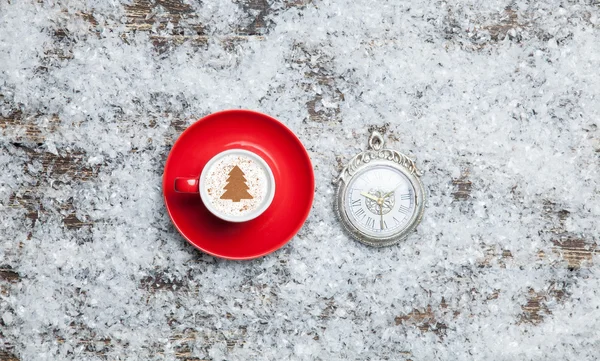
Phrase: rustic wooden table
[23,133]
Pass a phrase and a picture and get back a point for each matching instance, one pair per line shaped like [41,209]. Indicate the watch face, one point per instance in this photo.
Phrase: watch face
[379,201]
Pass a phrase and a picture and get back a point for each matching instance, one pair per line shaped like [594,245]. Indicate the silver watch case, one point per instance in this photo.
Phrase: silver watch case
[376,155]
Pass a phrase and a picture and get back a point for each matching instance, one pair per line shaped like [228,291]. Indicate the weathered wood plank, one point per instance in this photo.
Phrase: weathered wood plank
[424,320]
[19,127]
[65,166]
[506,24]
[325,103]
[161,281]
[462,186]
[171,23]
[576,252]
[536,308]
[178,18]
[173,16]
[162,42]
[8,274]
[496,257]
[29,131]
[7,356]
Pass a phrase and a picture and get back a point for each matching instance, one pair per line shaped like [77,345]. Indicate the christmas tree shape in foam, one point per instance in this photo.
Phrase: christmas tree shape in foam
[236,188]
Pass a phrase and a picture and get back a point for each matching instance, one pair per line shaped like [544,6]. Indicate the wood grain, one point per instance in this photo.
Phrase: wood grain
[575,251]
[160,15]
[507,25]
[424,319]
[7,356]
[537,308]
[161,281]
[66,166]
[462,186]
[7,274]
[325,103]
[19,127]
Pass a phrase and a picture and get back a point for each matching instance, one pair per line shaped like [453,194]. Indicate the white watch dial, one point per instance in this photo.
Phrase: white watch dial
[380,201]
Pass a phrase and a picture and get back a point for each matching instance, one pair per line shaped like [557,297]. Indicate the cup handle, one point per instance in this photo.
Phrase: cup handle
[186,185]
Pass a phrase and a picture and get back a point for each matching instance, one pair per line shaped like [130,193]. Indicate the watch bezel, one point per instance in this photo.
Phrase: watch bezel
[361,163]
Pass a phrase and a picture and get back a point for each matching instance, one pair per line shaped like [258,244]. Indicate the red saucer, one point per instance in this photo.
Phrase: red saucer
[283,152]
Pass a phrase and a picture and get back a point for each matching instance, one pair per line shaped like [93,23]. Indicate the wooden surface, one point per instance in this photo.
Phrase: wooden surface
[26,132]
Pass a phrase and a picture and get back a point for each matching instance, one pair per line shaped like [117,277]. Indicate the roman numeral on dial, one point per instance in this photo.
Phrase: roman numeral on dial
[403,209]
[370,222]
[405,196]
[355,203]
[383,225]
[360,212]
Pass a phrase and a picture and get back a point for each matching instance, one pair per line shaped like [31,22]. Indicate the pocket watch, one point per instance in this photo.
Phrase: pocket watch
[380,198]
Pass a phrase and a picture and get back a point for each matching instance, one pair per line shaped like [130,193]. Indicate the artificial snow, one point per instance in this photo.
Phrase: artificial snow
[513,111]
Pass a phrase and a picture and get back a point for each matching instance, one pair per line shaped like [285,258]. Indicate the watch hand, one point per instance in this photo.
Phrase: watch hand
[392,191]
[370,196]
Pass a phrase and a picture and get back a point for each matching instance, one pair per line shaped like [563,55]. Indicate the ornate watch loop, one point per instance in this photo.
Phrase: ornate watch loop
[376,140]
